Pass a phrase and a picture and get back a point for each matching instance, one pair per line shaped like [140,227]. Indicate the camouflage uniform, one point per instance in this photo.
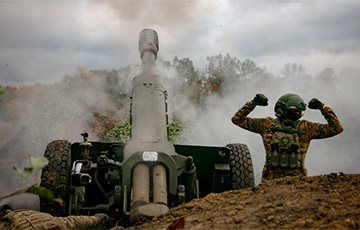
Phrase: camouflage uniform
[306,132]
[29,219]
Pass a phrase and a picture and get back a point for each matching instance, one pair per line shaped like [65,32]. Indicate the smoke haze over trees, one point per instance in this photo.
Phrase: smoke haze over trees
[42,40]
[203,99]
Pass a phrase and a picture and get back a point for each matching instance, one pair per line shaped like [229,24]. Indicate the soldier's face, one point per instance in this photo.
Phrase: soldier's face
[293,114]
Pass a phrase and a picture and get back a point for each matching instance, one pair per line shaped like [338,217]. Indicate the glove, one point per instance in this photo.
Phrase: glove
[260,99]
[103,218]
[315,104]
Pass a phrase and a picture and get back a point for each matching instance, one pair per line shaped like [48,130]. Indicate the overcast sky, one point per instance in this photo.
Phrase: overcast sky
[41,41]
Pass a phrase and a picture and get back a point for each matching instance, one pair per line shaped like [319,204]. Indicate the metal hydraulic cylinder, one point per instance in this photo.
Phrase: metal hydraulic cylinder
[141,209]
[159,185]
[141,186]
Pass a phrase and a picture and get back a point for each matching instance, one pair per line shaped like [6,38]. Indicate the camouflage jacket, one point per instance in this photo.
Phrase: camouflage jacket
[311,130]
[29,219]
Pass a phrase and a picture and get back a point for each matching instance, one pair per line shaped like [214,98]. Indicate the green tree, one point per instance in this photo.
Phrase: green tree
[293,70]
[2,90]
[192,83]
[121,132]
[250,70]
[327,74]
[222,71]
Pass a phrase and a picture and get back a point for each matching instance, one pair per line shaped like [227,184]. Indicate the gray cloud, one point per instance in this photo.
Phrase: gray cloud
[43,40]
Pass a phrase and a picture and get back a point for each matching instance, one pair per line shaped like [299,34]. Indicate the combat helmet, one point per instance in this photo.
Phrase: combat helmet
[290,108]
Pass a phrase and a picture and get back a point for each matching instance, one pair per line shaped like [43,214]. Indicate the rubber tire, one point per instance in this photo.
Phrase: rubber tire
[56,176]
[241,167]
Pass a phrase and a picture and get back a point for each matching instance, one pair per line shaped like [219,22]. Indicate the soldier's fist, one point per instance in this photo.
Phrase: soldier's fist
[315,104]
[260,99]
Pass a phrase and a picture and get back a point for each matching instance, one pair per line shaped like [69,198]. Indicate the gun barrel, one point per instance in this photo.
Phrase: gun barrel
[148,48]
[148,107]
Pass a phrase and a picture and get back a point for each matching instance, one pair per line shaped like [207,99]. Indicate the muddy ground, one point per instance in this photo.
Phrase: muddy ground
[321,202]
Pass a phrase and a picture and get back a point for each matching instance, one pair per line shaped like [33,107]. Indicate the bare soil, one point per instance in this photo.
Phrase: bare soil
[320,202]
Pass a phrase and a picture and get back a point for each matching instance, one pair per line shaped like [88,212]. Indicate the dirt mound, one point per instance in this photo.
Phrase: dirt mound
[329,201]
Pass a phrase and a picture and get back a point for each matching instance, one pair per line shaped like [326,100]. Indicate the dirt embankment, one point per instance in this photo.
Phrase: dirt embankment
[321,202]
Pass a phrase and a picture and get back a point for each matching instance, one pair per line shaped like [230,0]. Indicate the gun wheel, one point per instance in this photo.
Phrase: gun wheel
[241,167]
[55,176]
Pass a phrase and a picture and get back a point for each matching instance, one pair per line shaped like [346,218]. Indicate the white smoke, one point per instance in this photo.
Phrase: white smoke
[212,125]
[61,111]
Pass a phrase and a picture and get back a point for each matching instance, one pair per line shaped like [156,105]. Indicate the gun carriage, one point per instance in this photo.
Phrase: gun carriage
[135,181]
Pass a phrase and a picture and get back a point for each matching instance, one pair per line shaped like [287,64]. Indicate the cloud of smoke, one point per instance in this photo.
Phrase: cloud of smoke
[212,125]
[61,111]
[102,34]
[97,35]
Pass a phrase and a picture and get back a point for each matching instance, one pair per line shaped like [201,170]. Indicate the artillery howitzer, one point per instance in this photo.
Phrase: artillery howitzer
[135,181]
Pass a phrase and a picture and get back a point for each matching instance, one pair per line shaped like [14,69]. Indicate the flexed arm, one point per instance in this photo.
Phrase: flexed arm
[332,128]
[252,124]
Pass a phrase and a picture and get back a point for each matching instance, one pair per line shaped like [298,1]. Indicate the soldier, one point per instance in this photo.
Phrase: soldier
[286,138]
[29,219]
